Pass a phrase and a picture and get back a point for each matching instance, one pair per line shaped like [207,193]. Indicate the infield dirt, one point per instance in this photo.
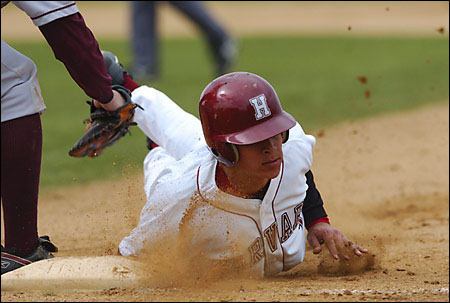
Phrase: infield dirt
[385,183]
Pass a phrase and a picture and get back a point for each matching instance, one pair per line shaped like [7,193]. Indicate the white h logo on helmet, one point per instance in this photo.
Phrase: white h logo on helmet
[259,103]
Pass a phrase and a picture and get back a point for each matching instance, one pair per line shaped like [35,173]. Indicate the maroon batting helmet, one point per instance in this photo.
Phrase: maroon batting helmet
[240,108]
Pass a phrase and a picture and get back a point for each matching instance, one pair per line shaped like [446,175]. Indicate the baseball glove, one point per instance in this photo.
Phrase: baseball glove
[105,127]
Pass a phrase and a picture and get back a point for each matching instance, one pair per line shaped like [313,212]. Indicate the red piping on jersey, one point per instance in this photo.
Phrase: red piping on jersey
[273,210]
[56,9]
[228,211]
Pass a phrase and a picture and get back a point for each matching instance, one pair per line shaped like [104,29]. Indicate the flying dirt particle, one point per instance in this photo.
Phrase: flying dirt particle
[388,8]
[74,179]
[367,94]
[362,79]
[428,60]
[441,30]
[349,28]
[321,133]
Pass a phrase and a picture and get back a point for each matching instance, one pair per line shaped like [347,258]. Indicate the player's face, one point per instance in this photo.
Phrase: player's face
[262,159]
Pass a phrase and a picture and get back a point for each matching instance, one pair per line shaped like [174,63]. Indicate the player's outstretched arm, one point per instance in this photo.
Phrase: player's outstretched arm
[336,242]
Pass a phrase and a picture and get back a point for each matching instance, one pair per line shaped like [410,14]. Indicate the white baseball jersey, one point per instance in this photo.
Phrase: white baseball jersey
[20,90]
[182,196]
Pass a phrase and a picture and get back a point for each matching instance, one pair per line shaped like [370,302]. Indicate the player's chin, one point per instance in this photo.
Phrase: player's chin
[271,169]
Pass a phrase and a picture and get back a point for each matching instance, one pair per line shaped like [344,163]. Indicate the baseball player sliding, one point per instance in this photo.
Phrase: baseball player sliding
[240,177]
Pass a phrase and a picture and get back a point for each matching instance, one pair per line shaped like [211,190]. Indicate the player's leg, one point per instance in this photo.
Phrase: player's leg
[21,151]
[144,40]
[223,47]
[21,166]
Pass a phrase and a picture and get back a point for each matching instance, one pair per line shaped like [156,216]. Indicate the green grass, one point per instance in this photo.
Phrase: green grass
[316,80]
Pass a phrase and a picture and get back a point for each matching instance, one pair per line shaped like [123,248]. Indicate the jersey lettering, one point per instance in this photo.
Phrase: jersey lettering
[298,216]
[259,103]
[271,234]
[256,250]
[286,227]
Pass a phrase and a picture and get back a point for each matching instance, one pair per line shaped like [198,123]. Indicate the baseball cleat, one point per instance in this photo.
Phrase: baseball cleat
[10,261]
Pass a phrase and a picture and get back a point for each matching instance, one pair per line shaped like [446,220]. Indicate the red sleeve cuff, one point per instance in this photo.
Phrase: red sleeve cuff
[323,219]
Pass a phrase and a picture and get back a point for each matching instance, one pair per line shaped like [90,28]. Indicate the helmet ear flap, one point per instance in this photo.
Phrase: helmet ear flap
[235,151]
[285,136]
[226,153]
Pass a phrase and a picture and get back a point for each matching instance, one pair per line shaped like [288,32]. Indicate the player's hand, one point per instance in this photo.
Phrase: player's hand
[116,102]
[336,242]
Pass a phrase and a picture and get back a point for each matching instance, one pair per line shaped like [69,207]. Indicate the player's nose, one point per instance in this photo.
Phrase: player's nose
[272,144]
